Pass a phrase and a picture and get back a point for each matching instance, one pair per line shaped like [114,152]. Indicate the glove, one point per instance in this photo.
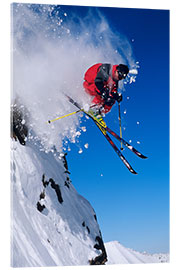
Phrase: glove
[105,94]
[109,101]
[117,96]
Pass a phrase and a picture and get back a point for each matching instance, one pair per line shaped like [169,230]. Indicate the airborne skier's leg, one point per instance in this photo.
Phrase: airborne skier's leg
[95,112]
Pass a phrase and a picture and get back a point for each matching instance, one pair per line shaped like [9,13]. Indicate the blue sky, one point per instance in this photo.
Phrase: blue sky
[133,209]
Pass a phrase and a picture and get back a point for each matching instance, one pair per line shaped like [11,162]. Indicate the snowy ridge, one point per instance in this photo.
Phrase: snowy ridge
[60,232]
[52,225]
[118,254]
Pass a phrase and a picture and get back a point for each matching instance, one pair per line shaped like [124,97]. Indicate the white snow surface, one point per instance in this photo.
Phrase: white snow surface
[54,236]
[118,254]
[63,233]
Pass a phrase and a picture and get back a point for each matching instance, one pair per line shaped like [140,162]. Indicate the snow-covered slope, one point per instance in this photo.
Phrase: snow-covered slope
[118,254]
[51,223]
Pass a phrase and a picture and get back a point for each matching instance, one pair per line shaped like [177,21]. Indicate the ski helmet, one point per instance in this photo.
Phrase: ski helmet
[123,70]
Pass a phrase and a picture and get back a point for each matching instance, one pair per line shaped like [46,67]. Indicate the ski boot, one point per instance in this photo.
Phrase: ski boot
[97,116]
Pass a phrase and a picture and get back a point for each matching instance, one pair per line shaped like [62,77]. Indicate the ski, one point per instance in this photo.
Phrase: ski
[126,163]
[73,102]
[129,146]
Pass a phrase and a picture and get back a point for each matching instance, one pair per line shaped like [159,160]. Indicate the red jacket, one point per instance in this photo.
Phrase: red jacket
[97,79]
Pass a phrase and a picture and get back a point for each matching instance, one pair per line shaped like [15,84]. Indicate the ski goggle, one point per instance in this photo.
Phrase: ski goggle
[121,74]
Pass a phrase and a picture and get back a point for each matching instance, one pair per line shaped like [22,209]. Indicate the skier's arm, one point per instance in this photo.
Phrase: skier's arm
[102,77]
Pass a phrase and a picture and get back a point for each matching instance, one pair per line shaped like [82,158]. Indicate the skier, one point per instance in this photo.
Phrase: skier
[101,82]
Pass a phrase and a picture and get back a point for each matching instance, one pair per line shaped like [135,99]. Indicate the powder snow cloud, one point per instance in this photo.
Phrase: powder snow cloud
[50,53]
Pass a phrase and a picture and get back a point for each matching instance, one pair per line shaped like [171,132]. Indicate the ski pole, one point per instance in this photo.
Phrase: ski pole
[49,121]
[119,117]
[69,114]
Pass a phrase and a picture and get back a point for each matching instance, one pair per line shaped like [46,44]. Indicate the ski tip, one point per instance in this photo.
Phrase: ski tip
[48,122]
[133,171]
[141,155]
[144,157]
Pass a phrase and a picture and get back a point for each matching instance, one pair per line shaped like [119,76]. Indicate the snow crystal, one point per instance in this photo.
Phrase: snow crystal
[83,129]
[78,133]
[65,14]
[138,142]
[137,122]
[80,151]
[23,122]
[132,79]
[125,111]
[133,71]
[86,145]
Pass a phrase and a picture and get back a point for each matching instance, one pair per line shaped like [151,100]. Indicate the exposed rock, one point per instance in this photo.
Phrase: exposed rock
[19,129]
[102,258]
